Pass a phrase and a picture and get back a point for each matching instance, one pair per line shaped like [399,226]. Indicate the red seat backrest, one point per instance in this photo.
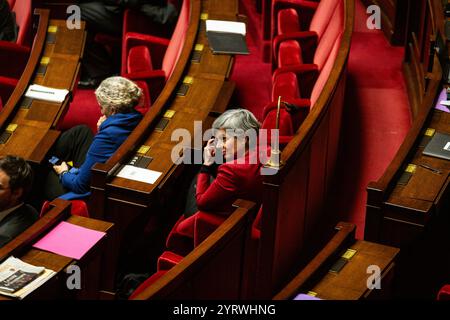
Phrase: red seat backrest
[325,72]
[333,30]
[11,3]
[177,41]
[322,16]
[22,9]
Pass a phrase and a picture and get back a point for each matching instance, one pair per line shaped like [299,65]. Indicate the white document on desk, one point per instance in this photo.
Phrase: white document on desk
[139,174]
[39,92]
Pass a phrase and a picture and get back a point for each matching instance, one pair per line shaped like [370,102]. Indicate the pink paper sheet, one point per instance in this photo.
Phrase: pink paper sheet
[69,240]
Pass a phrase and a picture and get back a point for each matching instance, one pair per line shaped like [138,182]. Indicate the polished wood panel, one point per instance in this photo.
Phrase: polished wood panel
[40,119]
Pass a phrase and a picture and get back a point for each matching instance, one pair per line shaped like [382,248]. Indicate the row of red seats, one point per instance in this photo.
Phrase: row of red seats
[14,55]
[302,60]
[149,58]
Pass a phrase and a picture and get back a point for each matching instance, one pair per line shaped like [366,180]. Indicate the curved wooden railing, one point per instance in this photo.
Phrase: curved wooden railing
[321,263]
[8,111]
[293,198]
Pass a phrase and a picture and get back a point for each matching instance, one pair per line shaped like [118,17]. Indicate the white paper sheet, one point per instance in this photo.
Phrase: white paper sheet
[225,26]
[139,174]
[39,92]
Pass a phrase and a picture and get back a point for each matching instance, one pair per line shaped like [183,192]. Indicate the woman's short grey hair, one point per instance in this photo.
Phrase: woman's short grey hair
[237,119]
[118,95]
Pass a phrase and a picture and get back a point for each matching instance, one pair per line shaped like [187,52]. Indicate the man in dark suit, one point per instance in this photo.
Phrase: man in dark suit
[8,28]
[106,16]
[16,179]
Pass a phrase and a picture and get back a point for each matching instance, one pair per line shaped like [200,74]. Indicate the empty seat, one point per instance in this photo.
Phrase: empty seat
[160,57]
[310,36]
[293,58]
[22,10]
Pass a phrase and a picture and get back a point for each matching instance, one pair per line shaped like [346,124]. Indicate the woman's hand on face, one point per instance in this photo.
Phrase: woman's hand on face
[61,168]
[100,121]
[209,152]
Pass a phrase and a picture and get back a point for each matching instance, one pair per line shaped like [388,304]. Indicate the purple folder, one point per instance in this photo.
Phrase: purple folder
[442,97]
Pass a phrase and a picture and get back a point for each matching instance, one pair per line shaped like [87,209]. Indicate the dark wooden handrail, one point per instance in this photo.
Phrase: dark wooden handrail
[345,234]
[147,123]
[8,111]
[60,209]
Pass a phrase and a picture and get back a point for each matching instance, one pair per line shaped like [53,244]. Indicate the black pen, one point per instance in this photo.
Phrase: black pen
[430,168]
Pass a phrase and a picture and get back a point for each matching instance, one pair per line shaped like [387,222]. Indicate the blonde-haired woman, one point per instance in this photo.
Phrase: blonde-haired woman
[117,97]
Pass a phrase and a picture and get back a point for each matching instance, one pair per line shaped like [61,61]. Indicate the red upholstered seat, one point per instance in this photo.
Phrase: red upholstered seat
[148,283]
[139,60]
[309,37]
[22,9]
[78,208]
[444,293]
[164,53]
[7,86]
[286,86]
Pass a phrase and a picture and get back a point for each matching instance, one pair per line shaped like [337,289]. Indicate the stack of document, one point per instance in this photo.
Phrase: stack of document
[39,92]
[227,37]
[18,279]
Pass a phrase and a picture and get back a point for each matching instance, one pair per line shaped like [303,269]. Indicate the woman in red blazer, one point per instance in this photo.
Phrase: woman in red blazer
[230,171]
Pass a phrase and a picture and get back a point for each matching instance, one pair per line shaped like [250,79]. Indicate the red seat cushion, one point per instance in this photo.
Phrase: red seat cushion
[22,9]
[139,60]
[78,208]
[289,54]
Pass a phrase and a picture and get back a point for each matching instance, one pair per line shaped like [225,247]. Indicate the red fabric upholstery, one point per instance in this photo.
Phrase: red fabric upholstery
[325,14]
[7,86]
[13,59]
[286,86]
[78,208]
[167,260]
[325,72]
[322,16]
[288,21]
[22,9]
[11,3]
[332,32]
[139,59]
[289,53]
[444,293]
[164,53]
[148,283]
[177,41]
[306,75]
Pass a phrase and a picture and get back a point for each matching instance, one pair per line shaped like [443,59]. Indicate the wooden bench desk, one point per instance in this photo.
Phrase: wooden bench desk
[55,288]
